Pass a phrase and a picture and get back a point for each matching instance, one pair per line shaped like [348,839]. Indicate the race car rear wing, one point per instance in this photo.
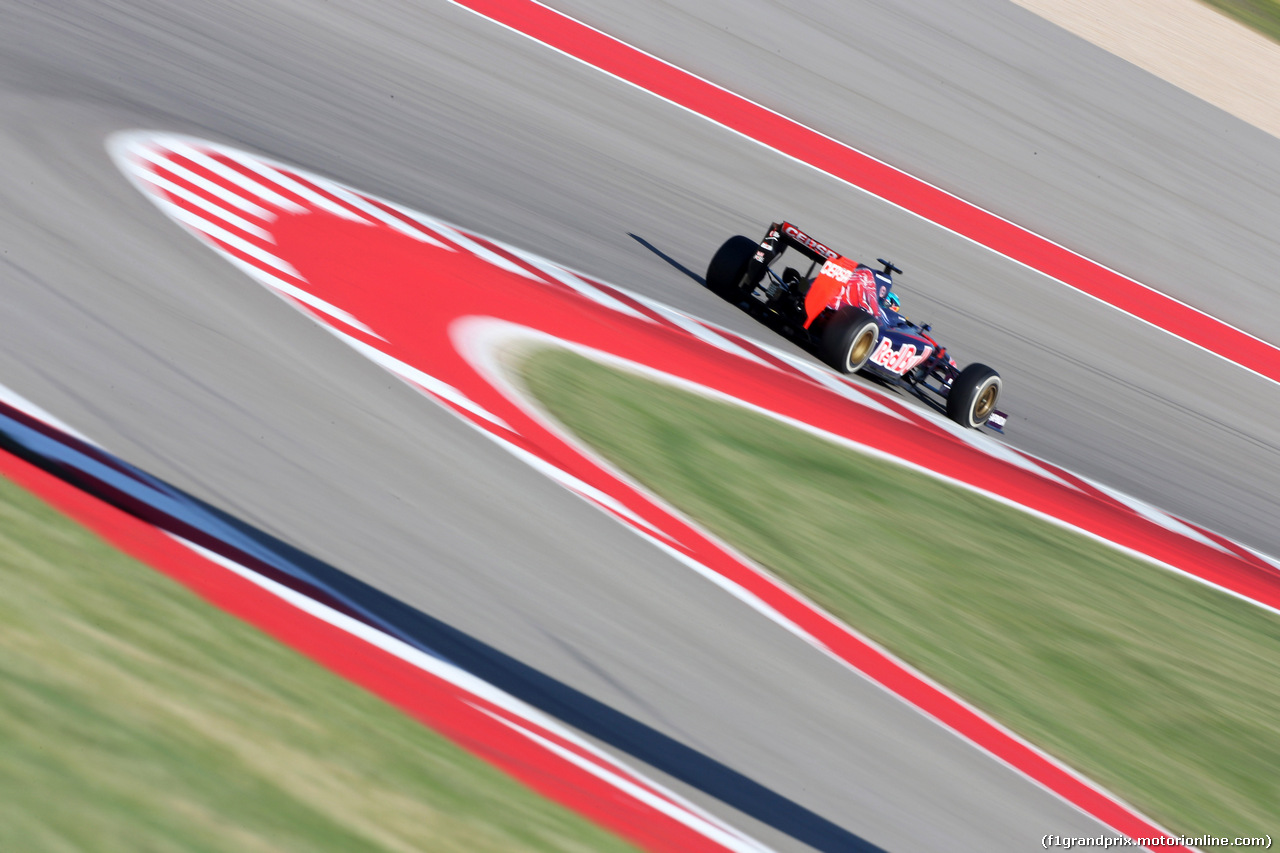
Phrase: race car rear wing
[789,235]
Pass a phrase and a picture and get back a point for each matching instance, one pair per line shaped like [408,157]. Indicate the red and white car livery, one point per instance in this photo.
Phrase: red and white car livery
[846,313]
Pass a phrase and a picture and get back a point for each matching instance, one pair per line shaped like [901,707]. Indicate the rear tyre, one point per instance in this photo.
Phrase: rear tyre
[726,275]
[848,339]
[973,396]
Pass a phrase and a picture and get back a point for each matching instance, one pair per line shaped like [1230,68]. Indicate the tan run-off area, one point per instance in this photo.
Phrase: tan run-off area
[1186,43]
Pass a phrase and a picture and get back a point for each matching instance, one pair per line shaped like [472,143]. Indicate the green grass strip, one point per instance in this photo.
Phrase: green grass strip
[134,716]
[1260,15]
[1159,688]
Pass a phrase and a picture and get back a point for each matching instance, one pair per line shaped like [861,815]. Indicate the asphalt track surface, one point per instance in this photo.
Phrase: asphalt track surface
[135,334]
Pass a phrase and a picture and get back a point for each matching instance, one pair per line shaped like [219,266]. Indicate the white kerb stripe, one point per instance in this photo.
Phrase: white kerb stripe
[200,201]
[845,389]
[1156,515]
[234,199]
[206,227]
[280,179]
[699,331]
[992,447]
[355,200]
[226,172]
[576,283]
[465,242]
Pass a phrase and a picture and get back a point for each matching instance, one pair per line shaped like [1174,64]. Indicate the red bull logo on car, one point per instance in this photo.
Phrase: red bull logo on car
[899,360]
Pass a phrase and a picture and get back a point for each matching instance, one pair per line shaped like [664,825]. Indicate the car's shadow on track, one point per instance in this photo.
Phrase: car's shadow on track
[145,497]
[661,254]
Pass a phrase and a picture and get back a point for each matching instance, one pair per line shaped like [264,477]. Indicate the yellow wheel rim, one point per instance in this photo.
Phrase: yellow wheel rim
[861,348]
[986,402]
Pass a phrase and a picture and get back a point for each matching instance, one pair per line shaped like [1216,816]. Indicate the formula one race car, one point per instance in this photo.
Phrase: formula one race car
[847,314]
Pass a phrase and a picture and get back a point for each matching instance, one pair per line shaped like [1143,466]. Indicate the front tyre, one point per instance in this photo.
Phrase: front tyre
[728,268]
[848,339]
[973,396]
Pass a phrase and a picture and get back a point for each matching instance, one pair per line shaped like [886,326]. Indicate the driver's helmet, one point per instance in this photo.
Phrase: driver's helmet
[891,302]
